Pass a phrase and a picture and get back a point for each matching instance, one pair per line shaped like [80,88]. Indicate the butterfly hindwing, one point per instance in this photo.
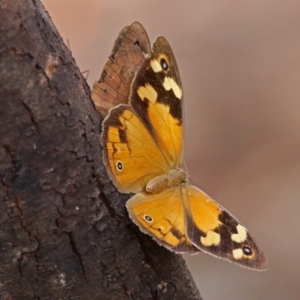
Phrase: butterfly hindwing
[162,216]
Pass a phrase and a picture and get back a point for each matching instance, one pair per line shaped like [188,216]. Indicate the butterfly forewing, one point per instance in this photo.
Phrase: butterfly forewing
[128,55]
[156,97]
[215,231]
[130,153]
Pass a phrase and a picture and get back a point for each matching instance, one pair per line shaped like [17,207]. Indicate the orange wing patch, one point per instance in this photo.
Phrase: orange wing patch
[162,216]
[132,155]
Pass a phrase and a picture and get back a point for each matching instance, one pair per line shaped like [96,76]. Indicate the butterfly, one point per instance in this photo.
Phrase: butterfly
[140,95]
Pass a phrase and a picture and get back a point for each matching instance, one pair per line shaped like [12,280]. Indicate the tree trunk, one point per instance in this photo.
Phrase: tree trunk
[64,229]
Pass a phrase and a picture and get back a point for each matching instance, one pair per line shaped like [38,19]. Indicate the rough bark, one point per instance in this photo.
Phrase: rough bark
[64,230]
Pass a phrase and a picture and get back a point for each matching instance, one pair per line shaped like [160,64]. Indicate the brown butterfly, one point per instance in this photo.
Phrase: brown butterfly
[142,150]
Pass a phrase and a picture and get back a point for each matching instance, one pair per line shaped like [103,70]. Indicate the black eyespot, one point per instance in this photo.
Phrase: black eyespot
[120,166]
[136,43]
[148,218]
[247,251]
[164,64]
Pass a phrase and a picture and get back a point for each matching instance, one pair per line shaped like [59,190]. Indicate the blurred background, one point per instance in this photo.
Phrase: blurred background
[240,66]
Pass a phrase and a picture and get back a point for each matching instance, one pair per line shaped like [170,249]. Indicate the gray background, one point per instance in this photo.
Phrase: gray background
[240,66]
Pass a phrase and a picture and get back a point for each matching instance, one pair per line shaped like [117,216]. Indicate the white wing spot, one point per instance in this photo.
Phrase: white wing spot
[212,238]
[155,65]
[238,253]
[147,92]
[241,236]
[170,84]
